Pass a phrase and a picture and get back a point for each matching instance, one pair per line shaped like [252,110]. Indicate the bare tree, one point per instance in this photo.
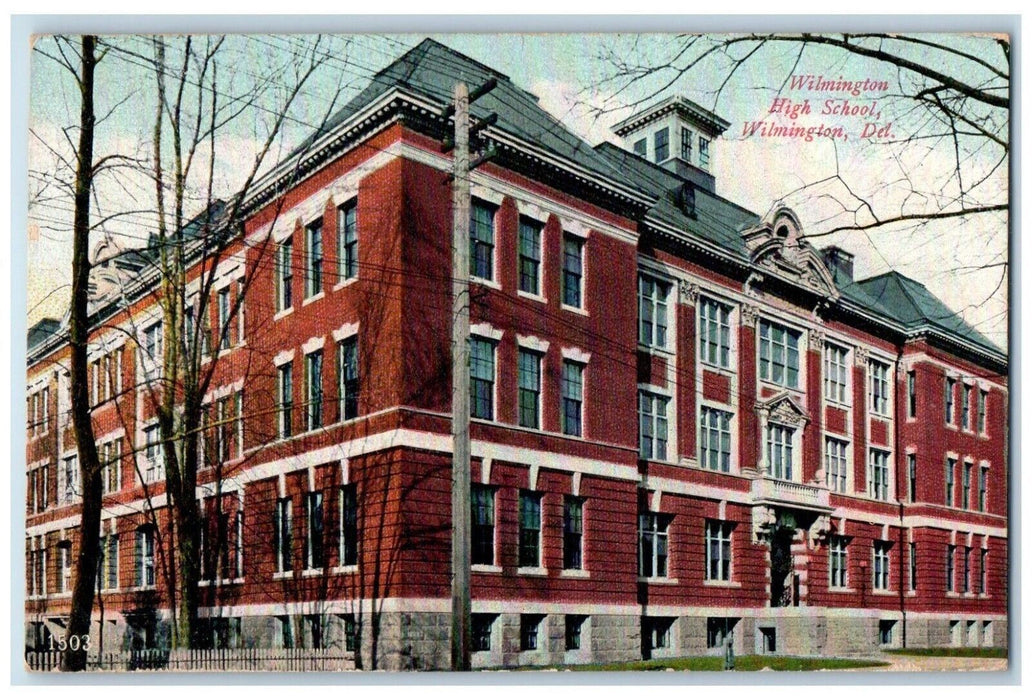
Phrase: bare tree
[947,98]
[193,110]
[89,462]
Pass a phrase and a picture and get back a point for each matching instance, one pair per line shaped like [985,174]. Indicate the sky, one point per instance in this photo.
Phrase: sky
[571,74]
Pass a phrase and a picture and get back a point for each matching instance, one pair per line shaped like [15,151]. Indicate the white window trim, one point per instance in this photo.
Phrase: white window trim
[733,322]
[575,354]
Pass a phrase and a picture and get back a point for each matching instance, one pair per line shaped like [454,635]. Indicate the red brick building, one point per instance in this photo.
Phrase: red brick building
[688,423]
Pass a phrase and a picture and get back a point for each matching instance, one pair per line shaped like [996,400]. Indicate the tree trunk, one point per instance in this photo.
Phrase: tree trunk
[85,572]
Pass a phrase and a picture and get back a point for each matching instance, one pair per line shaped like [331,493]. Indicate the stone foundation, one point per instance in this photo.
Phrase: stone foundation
[402,641]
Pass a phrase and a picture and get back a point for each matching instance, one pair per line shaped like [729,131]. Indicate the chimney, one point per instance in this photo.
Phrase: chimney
[839,262]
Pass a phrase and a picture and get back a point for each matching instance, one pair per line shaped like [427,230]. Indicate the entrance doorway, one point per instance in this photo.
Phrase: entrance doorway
[782,575]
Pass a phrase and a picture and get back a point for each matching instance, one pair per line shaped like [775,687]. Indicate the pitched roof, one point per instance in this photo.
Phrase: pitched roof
[716,219]
[909,302]
[431,69]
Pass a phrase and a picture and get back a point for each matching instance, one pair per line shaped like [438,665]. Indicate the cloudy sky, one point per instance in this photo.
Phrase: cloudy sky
[573,76]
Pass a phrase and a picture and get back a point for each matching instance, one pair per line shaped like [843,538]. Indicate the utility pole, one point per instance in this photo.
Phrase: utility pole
[461,646]
[460,627]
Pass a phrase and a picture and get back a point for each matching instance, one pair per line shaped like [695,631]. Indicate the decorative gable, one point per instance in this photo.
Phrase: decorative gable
[784,410]
[778,247]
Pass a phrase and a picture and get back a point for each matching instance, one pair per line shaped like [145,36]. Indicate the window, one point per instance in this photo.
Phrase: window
[530,256]
[715,333]
[482,524]
[313,258]
[838,568]
[223,297]
[661,144]
[481,624]
[686,144]
[286,399]
[951,467]
[482,378]
[69,479]
[529,388]
[885,630]
[111,466]
[836,374]
[238,402]
[529,628]
[573,533]
[94,373]
[657,632]
[44,401]
[145,557]
[835,464]
[911,394]
[881,565]
[779,451]
[350,632]
[966,578]
[715,439]
[314,530]
[348,523]
[641,147]
[951,574]
[965,487]
[530,529]
[983,488]
[154,455]
[652,311]
[152,350]
[704,152]
[283,535]
[965,407]
[950,382]
[720,631]
[983,398]
[718,550]
[347,375]
[284,632]
[878,475]
[573,271]
[284,275]
[652,545]
[64,574]
[238,544]
[222,430]
[652,421]
[574,627]
[779,354]
[313,631]
[983,572]
[481,241]
[879,373]
[913,566]
[313,382]
[912,476]
[347,241]
[572,397]
[107,573]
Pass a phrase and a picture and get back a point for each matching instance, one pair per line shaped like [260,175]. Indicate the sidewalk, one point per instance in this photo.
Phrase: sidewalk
[937,664]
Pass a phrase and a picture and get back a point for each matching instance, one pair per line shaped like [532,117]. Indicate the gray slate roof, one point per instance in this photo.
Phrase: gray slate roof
[431,69]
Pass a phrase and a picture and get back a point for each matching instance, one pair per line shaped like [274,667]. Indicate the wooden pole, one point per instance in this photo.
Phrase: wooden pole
[460,622]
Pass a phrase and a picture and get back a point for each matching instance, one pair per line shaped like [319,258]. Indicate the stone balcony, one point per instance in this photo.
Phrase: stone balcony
[768,491]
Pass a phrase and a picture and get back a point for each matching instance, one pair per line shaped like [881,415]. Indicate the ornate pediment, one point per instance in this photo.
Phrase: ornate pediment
[777,247]
[784,410]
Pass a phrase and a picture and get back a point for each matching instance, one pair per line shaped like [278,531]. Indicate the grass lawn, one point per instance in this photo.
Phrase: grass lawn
[716,663]
[975,652]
